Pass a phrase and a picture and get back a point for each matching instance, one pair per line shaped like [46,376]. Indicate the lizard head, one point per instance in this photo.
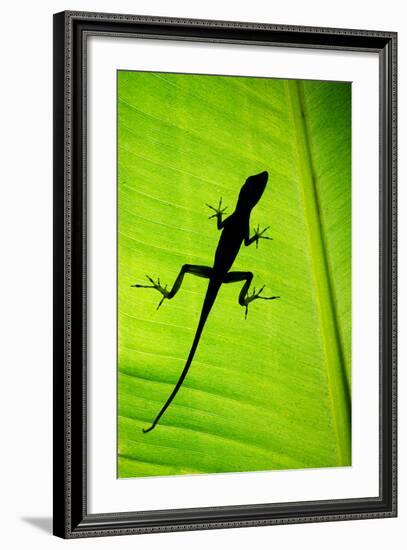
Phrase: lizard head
[252,190]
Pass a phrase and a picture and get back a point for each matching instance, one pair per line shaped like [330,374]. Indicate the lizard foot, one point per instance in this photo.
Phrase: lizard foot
[157,286]
[260,235]
[218,211]
[256,296]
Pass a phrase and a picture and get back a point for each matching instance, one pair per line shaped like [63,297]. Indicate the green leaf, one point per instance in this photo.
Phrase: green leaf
[272,391]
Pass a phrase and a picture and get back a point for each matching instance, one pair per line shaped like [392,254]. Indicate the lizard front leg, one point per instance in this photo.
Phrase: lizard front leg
[244,297]
[219,212]
[198,270]
[257,236]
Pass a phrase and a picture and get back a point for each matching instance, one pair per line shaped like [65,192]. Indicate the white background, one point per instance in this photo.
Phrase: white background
[26,275]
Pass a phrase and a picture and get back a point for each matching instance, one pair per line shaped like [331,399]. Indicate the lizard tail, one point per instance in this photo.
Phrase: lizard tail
[211,293]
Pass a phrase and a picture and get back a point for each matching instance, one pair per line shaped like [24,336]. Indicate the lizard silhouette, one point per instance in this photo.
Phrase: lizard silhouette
[235,231]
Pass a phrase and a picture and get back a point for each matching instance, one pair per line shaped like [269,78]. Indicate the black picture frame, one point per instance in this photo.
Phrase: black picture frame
[71,519]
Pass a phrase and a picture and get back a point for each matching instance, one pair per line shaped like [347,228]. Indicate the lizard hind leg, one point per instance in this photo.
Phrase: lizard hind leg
[198,270]
[244,297]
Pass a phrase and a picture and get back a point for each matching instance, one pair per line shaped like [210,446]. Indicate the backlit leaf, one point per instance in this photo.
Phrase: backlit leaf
[272,391]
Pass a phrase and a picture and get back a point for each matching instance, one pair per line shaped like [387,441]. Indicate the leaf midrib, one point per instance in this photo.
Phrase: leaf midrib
[338,388]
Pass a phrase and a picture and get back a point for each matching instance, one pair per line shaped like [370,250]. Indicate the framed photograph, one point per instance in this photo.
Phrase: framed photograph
[224,274]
